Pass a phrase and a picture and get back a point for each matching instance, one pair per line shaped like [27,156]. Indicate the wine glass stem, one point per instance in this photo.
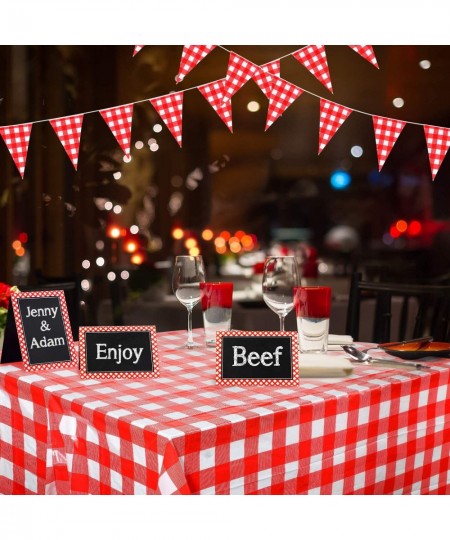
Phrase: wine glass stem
[281,323]
[190,340]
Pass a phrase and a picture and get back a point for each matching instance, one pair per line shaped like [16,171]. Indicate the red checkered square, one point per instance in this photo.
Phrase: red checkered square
[239,72]
[214,93]
[17,139]
[332,116]
[68,130]
[366,51]
[137,48]
[170,109]
[315,60]
[273,68]
[282,96]
[387,131]
[438,142]
[119,120]
[190,57]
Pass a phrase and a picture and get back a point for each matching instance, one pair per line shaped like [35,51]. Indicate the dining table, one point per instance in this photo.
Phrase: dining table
[379,430]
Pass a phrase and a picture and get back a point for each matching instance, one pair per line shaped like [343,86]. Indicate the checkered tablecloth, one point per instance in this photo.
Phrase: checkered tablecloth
[381,430]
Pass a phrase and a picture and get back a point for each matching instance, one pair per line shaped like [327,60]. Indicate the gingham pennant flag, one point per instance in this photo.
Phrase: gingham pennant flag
[315,60]
[273,68]
[68,130]
[387,132]
[239,72]
[332,116]
[190,57]
[119,122]
[438,142]
[170,109]
[137,48]
[366,51]
[264,80]
[17,139]
[282,96]
[214,93]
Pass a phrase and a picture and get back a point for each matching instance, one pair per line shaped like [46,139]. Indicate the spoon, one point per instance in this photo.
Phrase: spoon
[364,358]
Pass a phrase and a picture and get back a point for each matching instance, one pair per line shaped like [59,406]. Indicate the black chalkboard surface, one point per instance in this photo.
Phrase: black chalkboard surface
[43,329]
[113,352]
[257,358]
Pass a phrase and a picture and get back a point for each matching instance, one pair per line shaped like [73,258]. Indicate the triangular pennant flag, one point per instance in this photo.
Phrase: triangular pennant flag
[68,130]
[170,109]
[190,57]
[137,48]
[239,72]
[17,139]
[273,68]
[332,116]
[264,80]
[438,142]
[119,121]
[315,60]
[387,132]
[214,93]
[283,95]
[366,51]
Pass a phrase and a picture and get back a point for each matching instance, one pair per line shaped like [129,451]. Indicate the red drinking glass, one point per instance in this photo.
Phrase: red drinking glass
[312,302]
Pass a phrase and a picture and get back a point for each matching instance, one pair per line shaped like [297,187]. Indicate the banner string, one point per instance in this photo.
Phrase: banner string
[196,87]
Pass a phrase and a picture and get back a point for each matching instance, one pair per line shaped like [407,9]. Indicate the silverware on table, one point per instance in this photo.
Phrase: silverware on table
[364,358]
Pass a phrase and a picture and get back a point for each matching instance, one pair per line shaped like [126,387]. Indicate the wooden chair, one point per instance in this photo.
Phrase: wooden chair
[423,310]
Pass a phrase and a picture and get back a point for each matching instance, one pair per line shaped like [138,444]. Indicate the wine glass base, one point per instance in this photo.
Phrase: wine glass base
[188,346]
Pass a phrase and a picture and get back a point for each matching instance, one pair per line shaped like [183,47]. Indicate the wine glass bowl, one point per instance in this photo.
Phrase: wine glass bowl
[279,279]
[188,273]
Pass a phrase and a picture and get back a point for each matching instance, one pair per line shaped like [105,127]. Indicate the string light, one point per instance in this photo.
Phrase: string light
[111,276]
[113,232]
[117,209]
[100,261]
[177,233]
[86,264]
[85,284]
[207,234]
[134,229]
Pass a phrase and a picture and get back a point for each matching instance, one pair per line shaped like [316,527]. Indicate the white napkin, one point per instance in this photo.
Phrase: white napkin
[323,365]
[335,341]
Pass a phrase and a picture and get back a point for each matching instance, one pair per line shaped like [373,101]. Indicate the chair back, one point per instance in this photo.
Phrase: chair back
[417,310]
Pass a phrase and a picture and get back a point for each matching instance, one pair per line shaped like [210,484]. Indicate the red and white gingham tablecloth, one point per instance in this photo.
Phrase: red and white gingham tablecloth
[381,430]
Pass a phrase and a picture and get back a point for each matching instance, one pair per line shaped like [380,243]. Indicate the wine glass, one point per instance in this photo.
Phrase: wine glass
[188,273]
[279,279]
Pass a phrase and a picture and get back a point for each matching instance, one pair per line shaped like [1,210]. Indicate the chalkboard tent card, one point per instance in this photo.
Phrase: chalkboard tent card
[118,352]
[43,329]
[257,358]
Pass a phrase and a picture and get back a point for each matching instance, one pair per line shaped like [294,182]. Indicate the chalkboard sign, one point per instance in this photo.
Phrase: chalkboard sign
[43,329]
[118,352]
[257,358]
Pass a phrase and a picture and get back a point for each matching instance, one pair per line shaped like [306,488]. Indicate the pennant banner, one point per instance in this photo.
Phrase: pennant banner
[438,142]
[332,116]
[170,109]
[17,139]
[68,130]
[190,57]
[315,61]
[119,122]
[214,93]
[280,93]
[137,48]
[282,96]
[387,132]
[366,51]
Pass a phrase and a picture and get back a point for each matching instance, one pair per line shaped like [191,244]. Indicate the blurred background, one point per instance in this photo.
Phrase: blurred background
[115,225]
